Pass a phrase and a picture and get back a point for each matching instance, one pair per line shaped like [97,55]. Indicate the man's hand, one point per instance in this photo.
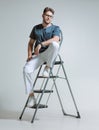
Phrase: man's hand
[29,58]
[36,51]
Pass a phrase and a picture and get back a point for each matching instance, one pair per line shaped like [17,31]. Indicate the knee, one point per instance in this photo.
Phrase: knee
[55,45]
[25,70]
[28,68]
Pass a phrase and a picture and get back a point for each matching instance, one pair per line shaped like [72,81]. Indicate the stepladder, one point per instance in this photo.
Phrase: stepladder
[58,82]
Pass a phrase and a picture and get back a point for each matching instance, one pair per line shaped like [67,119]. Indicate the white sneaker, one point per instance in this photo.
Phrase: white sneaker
[31,102]
[46,72]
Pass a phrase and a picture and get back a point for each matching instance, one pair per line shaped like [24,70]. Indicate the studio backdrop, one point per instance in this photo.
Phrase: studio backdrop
[79,22]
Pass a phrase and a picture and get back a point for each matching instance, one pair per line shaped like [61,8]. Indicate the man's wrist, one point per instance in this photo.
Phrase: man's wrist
[29,58]
[42,44]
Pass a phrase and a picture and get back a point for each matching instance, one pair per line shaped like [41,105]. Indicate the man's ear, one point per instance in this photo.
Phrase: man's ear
[42,15]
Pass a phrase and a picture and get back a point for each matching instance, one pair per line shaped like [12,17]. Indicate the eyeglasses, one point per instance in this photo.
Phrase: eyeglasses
[50,16]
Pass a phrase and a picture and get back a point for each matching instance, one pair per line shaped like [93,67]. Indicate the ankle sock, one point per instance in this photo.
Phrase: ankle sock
[34,99]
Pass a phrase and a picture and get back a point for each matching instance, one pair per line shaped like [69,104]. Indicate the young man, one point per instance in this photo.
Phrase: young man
[44,38]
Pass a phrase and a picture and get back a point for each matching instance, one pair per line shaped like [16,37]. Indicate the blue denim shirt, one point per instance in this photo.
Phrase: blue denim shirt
[40,34]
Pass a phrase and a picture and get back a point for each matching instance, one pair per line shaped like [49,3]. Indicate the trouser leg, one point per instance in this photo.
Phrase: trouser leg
[28,82]
[48,56]
[51,53]
[28,69]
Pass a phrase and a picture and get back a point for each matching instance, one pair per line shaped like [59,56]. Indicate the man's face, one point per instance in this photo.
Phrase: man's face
[47,17]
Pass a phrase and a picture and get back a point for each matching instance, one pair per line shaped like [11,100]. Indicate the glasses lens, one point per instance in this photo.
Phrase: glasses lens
[50,16]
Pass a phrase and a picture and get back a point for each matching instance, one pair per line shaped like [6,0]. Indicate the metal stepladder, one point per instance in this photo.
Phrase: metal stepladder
[43,89]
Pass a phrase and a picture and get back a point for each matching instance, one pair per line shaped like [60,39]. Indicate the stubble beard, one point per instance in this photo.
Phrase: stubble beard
[47,23]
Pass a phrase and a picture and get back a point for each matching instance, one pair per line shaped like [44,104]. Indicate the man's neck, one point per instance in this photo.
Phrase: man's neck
[46,25]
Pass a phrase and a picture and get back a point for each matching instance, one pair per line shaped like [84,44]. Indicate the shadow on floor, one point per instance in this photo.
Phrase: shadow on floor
[14,115]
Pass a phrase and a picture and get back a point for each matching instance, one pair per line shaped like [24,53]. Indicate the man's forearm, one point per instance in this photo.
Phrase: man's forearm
[46,43]
[30,50]
[30,47]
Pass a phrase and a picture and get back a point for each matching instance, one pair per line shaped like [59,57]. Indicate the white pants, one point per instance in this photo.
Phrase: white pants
[47,56]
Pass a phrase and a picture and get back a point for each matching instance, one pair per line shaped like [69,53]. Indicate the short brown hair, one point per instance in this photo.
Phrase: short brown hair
[48,9]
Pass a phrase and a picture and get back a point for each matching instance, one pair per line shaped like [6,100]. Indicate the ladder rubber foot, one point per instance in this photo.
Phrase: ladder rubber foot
[20,118]
[78,115]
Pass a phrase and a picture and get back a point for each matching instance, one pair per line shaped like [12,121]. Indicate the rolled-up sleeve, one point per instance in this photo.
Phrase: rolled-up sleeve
[56,31]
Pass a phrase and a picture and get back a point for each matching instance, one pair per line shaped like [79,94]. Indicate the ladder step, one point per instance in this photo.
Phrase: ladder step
[47,77]
[57,62]
[40,91]
[39,107]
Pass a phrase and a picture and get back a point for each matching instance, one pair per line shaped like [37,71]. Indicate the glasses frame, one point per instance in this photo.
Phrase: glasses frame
[50,16]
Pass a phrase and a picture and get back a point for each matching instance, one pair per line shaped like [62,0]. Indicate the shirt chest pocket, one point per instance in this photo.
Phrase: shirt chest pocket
[48,35]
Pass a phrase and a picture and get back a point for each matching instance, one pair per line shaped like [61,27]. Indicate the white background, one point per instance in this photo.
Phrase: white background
[79,21]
